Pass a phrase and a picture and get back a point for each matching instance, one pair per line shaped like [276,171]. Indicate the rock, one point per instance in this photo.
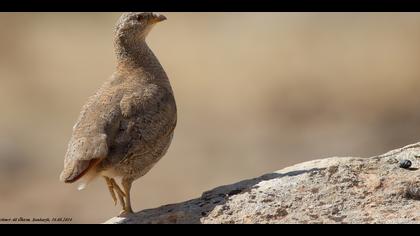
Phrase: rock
[331,190]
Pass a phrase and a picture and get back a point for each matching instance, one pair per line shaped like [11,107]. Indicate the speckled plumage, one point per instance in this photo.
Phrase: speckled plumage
[128,125]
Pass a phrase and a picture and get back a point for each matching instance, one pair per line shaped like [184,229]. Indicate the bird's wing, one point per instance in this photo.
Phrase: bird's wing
[88,144]
[83,153]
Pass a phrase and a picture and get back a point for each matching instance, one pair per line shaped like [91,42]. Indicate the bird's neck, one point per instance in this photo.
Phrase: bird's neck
[134,55]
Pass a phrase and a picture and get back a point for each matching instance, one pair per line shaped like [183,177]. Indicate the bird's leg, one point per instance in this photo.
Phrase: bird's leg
[126,183]
[120,193]
[111,189]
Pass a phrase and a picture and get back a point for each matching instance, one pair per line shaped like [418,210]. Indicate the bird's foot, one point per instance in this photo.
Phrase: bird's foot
[123,196]
[125,213]
[111,189]
[115,191]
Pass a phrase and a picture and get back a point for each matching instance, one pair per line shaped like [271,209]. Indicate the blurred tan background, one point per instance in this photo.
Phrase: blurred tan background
[256,92]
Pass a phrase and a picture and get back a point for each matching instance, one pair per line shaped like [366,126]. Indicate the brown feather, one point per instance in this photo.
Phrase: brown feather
[92,164]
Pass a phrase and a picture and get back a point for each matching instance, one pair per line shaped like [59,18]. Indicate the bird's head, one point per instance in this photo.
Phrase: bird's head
[136,25]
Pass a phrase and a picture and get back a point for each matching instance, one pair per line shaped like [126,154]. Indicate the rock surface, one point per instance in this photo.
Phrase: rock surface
[331,190]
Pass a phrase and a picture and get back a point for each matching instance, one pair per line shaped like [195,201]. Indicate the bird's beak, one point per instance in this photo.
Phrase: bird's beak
[158,18]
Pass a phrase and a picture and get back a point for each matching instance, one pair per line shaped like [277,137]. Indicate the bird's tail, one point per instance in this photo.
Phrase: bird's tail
[80,171]
[86,179]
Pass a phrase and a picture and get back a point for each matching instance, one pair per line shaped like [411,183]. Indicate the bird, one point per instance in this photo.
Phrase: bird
[127,126]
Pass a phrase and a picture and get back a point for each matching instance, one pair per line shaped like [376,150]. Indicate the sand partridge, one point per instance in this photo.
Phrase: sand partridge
[128,125]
